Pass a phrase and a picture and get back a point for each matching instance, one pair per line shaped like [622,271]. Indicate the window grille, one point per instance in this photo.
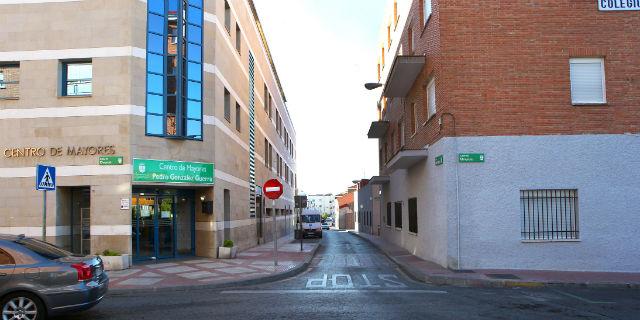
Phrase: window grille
[549,214]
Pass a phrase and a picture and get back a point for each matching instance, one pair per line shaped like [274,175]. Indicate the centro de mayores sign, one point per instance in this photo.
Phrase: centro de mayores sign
[167,171]
[618,5]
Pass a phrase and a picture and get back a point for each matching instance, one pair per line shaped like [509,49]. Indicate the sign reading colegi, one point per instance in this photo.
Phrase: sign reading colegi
[618,5]
[167,171]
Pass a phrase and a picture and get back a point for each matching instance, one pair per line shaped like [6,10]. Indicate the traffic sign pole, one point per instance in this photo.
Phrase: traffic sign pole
[275,235]
[273,189]
[44,215]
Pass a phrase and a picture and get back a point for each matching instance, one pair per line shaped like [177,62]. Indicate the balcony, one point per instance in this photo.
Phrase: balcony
[378,129]
[403,74]
[406,159]
[380,180]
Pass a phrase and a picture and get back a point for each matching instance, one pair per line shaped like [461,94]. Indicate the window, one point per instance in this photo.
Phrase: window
[76,78]
[238,39]
[587,81]
[431,98]
[395,14]
[266,153]
[266,97]
[5,258]
[238,117]
[398,214]
[174,69]
[388,214]
[414,117]
[227,17]
[413,215]
[9,81]
[426,10]
[401,125]
[270,106]
[410,39]
[227,105]
[388,36]
[270,156]
[549,214]
[382,57]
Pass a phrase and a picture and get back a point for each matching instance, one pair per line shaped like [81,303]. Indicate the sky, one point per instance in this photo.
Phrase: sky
[324,52]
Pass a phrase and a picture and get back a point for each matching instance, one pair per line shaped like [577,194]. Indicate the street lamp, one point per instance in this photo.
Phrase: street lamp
[372,85]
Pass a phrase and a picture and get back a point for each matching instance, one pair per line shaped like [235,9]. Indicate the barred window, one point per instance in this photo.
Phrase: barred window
[398,213]
[389,214]
[549,214]
[413,215]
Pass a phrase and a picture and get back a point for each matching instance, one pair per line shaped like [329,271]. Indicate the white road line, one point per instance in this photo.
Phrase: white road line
[330,291]
[583,299]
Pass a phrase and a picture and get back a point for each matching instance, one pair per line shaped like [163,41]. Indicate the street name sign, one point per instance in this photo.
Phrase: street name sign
[618,5]
[471,157]
[439,160]
[168,171]
[110,161]
[45,178]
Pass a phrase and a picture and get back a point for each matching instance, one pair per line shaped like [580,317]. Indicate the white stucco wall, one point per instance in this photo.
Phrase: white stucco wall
[604,168]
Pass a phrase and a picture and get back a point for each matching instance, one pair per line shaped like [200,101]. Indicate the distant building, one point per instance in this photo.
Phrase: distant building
[325,203]
[346,214]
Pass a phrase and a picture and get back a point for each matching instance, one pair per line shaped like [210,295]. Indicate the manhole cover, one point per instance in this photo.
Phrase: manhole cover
[505,276]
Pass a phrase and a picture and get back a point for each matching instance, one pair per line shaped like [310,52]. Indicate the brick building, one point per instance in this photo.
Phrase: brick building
[508,133]
[346,215]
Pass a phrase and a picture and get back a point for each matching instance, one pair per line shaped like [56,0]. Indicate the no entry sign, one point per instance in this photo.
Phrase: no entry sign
[273,189]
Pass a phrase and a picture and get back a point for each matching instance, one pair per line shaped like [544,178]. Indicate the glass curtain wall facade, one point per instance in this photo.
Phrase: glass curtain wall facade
[174,69]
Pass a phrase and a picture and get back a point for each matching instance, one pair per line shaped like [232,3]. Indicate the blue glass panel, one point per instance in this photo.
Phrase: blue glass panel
[155,63]
[156,23]
[194,34]
[194,129]
[194,71]
[197,3]
[194,109]
[154,124]
[194,15]
[155,83]
[194,90]
[173,6]
[194,52]
[155,104]
[155,43]
[156,6]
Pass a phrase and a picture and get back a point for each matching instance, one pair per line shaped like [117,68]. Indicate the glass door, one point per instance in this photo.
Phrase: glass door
[143,215]
[165,220]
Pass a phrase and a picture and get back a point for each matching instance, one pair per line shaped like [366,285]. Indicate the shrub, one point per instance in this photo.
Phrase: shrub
[110,253]
[228,244]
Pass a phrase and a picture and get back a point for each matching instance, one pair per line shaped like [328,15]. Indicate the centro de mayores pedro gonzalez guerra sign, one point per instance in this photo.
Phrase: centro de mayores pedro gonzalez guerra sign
[147,170]
[617,5]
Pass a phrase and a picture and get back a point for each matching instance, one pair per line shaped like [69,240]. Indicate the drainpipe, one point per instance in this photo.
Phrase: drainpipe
[458,226]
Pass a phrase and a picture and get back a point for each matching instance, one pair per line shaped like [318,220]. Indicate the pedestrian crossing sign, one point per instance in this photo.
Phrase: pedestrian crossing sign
[45,178]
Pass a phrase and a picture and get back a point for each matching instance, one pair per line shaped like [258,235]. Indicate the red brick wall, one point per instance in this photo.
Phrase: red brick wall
[502,68]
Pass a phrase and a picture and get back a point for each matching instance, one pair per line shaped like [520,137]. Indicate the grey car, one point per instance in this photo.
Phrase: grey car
[38,279]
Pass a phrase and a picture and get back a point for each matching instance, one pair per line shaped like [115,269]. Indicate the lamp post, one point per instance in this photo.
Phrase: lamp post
[372,85]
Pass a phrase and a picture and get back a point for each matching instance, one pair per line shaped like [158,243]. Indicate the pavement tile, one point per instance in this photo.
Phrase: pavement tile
[213,265]
[196,261]
[122,273]
[161,265]
[236,270]
[139,281]
[216,279]
[178,269]
[149,274]
[197,274]
[249,254]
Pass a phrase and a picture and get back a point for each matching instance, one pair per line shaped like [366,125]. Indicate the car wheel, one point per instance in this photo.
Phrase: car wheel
[22,305]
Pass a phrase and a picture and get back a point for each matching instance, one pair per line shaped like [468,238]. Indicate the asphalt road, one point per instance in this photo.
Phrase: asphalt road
[350,279]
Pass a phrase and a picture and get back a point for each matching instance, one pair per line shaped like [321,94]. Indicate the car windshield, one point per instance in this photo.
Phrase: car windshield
[44,249]
[311,218]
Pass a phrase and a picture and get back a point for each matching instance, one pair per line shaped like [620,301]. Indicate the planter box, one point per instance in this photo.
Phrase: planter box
[112,263]
[227,253]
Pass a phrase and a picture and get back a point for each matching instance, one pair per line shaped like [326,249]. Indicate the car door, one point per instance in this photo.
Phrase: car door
[7,265]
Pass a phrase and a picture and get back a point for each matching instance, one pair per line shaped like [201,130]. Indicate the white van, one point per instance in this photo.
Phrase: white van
[311,224]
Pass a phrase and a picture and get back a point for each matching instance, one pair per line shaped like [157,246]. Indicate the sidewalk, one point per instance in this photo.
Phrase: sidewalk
[429,272]
[251,266]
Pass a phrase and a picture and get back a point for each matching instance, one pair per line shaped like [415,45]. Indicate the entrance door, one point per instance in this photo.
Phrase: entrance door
[143,211]
[165,222]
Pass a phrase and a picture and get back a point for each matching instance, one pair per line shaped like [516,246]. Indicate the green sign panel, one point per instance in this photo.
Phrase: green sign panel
[167,171]
[439,160]
[471,157]
[110,161]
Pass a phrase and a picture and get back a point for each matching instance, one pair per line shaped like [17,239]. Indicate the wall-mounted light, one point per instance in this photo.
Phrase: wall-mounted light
[202,198]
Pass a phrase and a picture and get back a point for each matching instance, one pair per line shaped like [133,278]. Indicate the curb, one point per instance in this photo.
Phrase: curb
[244,282]
[488,283]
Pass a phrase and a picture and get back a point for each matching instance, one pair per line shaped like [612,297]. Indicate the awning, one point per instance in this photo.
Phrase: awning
[403,74]
[378,129]
[406,159]
[380,180]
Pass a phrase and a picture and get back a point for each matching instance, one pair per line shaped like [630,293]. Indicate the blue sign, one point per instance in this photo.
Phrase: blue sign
[45,178]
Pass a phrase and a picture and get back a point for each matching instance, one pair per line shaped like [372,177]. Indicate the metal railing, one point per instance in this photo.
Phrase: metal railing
[549,214]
